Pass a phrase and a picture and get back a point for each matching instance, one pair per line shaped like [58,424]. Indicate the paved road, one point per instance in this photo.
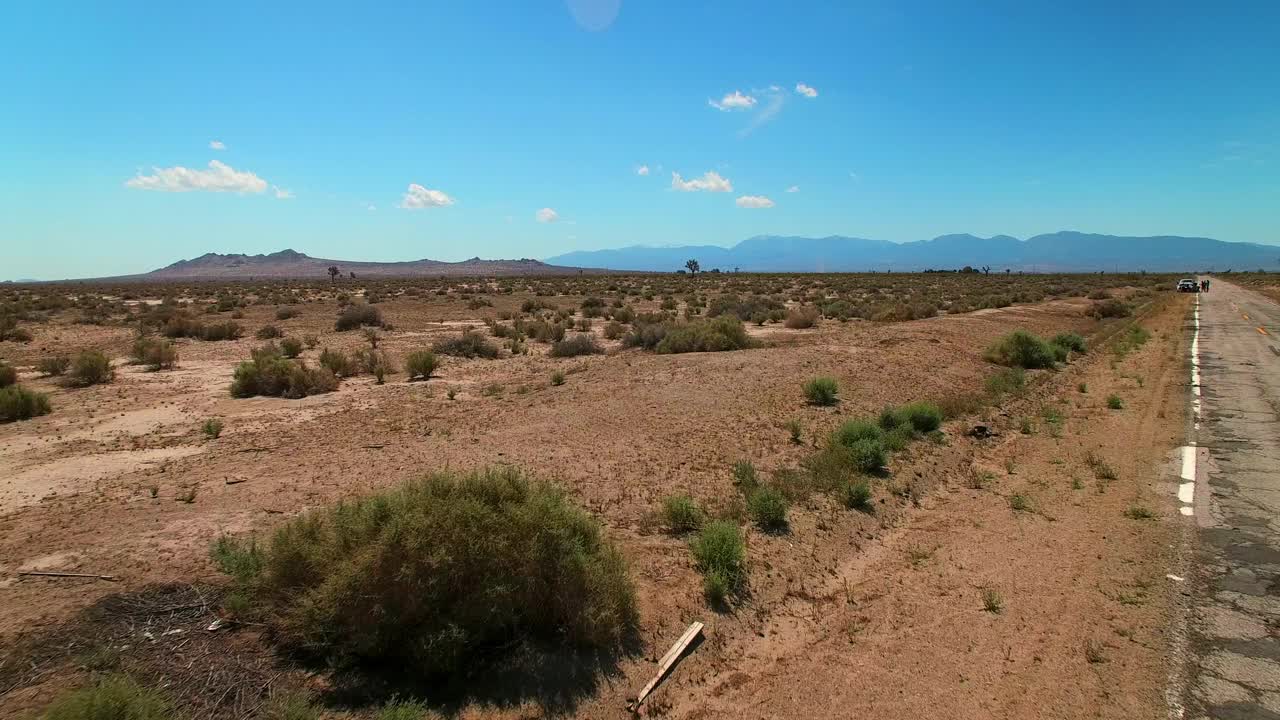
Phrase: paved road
[1235,615]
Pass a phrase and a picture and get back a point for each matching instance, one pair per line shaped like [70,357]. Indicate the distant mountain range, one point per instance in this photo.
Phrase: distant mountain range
[1055,252]
[293,264]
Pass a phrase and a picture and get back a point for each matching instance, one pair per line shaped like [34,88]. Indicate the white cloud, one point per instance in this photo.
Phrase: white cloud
[418,197]
[794,188]
[546,215]
[220,177]
[710,182]
[754,202]
[281,193]
[217,145]
[642,170]
[805,90]
[733,101]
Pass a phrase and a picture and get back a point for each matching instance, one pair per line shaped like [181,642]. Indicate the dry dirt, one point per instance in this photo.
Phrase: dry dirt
[849,614]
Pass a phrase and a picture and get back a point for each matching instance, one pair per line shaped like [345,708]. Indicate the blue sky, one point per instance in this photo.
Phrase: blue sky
[925,118]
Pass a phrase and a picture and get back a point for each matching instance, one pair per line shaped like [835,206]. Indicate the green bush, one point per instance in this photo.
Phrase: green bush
[767,508]
[1021,349]
[156,353]
[90,367]
[720,553]
[717,334]
[291,347]
[921,417]
[1114,402]
[857,429]
[53,366]
[270,374]
[1070,341]
[557,378]
[357,316]
[681,514]
[822,391]
[286,313]
[8,375]
[269,332]
[421,364]
[403,710]
[580,344]
[434,575]
[856,495]
[1110,309]
[802,317]
[1009,380]
[113,698]
[338,363]
[212,427]
[19,403]
[467,345]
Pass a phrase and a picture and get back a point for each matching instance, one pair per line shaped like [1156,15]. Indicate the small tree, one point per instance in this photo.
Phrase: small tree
[693,266]
[333,273]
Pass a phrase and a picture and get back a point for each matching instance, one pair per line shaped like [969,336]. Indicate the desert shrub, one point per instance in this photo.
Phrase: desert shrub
[420,364]
[720,553]
[856,495]
[822,391]
[114,698]
[1112,308]
[581,344]
[614,330]
[1070,341]
[467,345]
[220,331]
[681,514]
[372,362]
[8,374]
[211,428]
[286,313]
[54,365]
[857,429]
[1114,402]
[403,710]
[706,335]
[921,417]
[291,347]
[802,317]
[19,403]
[270,374]
[767,508]
[742,308]
[338,363]
[155,352]
[90,367]
[646,334]
[269,332]
[1008,380]
[436,574]
[357,316]
[1021,349]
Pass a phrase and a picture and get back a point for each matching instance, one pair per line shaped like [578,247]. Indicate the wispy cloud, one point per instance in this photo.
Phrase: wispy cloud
[754,202]
[546,215]
[793,188]
[806,90]
[418,197]
[217,145]
[774,100]
[219,177]
[733,101]
[642,170]
[281,193]
[709,182]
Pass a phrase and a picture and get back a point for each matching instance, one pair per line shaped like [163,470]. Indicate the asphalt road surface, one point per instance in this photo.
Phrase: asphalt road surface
[1235,614]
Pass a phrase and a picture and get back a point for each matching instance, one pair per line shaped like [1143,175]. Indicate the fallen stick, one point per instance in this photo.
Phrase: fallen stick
[664,665]
[40,573]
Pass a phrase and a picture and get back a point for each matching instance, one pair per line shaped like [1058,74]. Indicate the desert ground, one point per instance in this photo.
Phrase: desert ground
[1014,563]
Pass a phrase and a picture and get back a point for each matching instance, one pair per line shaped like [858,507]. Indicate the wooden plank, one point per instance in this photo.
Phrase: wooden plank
[39,573]
[664,665]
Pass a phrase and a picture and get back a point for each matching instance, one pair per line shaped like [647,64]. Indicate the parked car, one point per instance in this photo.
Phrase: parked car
[1188,285]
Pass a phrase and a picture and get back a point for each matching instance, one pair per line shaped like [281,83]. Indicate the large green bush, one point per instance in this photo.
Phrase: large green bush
[19,403]
[822,391]
[724,332]
[721,555]
[420,364]
[357,316]
[580,344]
[271,374]
[90,367]
[437,574]
[1021,349]
[467,345]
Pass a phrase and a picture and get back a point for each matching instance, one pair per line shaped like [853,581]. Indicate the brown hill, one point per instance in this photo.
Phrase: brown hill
[295,265]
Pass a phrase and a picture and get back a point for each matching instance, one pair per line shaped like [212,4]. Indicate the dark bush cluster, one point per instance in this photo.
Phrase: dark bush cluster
[421,364]
[155,353]
[19,403]
[357,316]
[90,367]
[469,344]
[716,334]
[580,344]
[269,373]
[437,575]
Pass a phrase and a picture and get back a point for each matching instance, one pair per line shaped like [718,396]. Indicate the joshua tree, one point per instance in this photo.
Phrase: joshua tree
[333,273]
[693,266]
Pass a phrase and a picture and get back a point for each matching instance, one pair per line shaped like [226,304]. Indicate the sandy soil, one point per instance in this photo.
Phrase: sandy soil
[849,613]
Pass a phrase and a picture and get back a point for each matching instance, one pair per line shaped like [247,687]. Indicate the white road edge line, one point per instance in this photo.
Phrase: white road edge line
[1187,488]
